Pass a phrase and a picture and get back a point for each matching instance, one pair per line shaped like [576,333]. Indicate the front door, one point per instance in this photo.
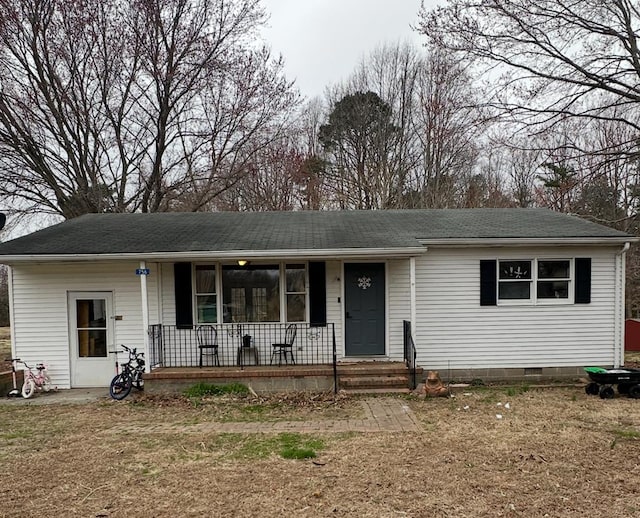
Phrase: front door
[91,339]
[364,305]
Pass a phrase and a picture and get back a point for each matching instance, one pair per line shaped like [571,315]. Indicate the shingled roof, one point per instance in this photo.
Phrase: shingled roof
[109,234]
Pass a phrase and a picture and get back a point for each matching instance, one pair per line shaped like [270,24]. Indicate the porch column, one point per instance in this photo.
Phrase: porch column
[145,317]
[412,294]
[619,307]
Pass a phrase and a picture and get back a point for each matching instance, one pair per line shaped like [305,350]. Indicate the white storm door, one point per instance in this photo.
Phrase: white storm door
[91,333]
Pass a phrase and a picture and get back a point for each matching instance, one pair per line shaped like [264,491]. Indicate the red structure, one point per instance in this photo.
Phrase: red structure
[632,335]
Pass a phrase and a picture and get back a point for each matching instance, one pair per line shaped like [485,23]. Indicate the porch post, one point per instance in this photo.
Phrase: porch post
[145,317]
[412,291]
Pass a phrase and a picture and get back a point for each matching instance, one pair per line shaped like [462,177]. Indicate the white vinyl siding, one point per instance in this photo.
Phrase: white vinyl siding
[168,296]
[399,305]
[334,307]
[454,331]
[41,315]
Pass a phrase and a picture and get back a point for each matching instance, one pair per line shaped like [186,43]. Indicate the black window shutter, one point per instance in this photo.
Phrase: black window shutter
[488,283]
[317,294]
[184,298]
[583,281]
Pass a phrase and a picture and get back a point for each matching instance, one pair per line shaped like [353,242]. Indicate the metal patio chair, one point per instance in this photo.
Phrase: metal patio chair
[208,343]
[285,348]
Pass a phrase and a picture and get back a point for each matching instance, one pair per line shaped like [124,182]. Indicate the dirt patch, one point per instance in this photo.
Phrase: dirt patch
[632,359]
[554,452]
[243,408]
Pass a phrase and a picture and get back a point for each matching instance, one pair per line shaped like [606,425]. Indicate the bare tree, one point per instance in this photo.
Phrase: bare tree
[273,182]
[116,105]
[433,148]
[548,60]
[448,125]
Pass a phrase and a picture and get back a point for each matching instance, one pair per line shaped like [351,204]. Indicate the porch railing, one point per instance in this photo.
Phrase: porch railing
[243,345]
[410,354]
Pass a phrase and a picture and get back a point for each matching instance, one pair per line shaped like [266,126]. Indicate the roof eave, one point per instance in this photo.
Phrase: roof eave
[231,255]
[524,241]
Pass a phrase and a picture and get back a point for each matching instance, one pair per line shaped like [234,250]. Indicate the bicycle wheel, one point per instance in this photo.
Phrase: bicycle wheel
[138,381]
[120,386]
[46,383]
[28,388]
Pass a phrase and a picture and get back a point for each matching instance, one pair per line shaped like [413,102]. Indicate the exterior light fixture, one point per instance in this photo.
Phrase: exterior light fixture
[242,262]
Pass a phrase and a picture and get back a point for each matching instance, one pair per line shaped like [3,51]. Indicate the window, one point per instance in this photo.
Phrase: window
[251,293]
[514,280]
[206,301]
[296,292]
[535,280]
[553,279]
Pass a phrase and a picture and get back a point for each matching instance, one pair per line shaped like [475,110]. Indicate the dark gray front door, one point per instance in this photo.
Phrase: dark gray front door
[364,306]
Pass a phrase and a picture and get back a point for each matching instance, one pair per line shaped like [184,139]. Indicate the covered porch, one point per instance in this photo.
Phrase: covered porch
[253,354]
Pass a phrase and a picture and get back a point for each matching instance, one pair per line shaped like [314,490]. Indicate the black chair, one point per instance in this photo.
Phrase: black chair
[208,341]
[282,349]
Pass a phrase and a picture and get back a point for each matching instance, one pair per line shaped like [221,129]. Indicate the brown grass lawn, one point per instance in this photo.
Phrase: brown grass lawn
[555,452]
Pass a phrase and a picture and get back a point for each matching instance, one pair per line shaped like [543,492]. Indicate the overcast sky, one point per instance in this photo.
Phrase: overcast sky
[322,41]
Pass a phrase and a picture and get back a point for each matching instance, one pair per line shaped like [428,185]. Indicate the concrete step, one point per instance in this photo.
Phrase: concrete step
[373,369]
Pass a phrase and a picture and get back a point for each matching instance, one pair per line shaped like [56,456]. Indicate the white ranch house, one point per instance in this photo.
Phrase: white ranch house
[486,293]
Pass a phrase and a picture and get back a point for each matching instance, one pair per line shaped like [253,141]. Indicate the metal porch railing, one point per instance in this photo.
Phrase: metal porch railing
[242,345]
[410,354]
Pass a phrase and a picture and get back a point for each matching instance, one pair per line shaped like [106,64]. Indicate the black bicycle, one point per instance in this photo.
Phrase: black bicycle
[129,376]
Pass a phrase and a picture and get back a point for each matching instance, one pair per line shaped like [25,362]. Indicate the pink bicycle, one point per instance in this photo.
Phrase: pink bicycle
[38,381]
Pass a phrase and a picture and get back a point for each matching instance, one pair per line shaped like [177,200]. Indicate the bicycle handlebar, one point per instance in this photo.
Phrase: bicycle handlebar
[39,365]
[132,352]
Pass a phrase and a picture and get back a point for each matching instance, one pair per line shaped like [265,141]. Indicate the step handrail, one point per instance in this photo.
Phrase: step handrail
[410,354]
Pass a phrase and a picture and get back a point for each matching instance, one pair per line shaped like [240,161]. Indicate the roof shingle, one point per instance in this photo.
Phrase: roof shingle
[305,230]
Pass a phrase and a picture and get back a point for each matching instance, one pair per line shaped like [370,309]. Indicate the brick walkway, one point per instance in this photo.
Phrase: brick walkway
[380,415]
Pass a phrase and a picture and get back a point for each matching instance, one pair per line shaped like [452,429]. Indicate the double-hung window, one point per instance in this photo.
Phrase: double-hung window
[206,301]
[534,281]
[554,278]
[296,300]
[514,280]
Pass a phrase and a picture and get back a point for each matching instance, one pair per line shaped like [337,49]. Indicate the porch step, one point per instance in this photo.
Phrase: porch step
[375,377]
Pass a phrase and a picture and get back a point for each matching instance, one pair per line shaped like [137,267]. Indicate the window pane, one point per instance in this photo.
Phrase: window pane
[295,308]
[295,278]
[236,311]
[514,290]
[92,343]
[251,294]
[207,309]
[515,269]
[205,279]
[553,269]
[91,313]
[553,289]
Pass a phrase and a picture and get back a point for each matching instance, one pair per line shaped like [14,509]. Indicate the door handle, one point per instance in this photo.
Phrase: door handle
[347,315]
